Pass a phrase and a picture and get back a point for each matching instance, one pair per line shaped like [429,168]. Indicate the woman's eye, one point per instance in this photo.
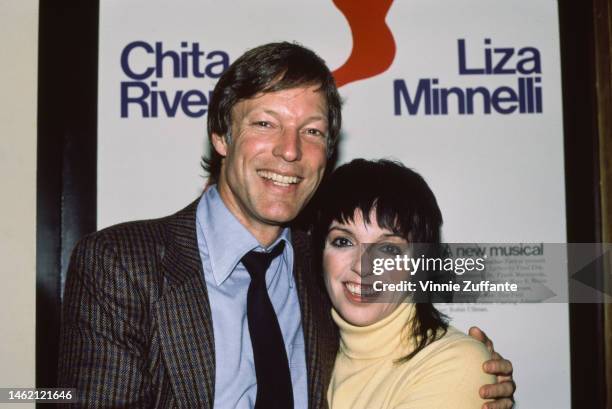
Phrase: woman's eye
[390,249]
[341,242]
[263,124]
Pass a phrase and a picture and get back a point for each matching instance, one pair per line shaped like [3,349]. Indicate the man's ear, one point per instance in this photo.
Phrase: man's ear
[220,144]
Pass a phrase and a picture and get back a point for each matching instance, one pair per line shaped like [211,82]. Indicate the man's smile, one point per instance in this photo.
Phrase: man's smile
[279,179]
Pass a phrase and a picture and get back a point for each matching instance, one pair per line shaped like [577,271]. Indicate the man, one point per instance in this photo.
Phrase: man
[171,313]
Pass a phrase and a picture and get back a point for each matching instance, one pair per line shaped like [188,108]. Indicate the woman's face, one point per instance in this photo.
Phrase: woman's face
[351,294]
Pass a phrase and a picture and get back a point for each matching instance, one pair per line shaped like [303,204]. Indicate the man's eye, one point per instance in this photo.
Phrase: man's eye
[341,242]
[315,132]
[263,124]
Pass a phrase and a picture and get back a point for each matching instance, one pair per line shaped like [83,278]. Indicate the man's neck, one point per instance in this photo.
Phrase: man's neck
[265,237]
[264,233]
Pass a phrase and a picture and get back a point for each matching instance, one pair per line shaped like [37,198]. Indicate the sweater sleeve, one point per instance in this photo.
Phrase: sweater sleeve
[446,377]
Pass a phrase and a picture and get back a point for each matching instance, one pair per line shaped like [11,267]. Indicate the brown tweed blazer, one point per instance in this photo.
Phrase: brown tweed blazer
[136,322]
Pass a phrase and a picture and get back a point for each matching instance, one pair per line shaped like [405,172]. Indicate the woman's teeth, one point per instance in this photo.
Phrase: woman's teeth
[359,289]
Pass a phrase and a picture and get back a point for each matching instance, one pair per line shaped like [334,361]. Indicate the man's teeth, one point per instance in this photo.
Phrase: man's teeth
[279,180]
[358,289]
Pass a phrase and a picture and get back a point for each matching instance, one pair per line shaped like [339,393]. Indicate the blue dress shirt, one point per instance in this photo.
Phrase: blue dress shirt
[222,241]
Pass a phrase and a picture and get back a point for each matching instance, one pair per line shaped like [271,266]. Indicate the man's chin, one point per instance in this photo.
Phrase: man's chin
[280,219]
[278,214]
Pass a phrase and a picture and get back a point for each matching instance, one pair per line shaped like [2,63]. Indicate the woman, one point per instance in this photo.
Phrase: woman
[394,354]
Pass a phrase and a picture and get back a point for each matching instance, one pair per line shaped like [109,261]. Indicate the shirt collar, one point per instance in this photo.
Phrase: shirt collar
[227,240]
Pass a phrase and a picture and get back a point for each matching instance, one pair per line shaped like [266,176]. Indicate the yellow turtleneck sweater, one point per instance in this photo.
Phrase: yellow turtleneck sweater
[446,374]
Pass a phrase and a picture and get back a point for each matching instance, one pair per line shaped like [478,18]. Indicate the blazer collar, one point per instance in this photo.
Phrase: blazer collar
[184,316]
[185,320]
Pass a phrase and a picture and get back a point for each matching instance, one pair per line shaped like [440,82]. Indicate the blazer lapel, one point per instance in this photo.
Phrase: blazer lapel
[184,317]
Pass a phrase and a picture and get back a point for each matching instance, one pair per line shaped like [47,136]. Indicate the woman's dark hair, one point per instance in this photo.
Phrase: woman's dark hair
[269,68]
[403,203]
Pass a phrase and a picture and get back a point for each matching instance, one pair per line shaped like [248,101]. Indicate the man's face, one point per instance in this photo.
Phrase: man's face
[275,158]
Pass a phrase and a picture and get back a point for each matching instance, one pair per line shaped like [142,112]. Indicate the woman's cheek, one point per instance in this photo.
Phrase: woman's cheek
[331,275]
[326,271]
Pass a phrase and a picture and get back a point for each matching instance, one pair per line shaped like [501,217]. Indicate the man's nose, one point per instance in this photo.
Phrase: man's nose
[289,146]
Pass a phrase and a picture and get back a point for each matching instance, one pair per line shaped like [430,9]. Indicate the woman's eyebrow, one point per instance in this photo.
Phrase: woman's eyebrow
[343,229]
[392,235]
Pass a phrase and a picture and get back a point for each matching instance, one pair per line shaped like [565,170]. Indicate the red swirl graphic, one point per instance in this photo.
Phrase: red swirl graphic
[373,45]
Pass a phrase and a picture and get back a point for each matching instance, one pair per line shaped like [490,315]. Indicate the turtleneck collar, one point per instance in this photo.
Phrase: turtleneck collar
[382,338]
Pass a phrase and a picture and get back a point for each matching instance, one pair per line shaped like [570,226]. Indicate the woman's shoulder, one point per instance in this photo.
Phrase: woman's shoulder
[446,373]
[458,341]
[455,355]
[456,348]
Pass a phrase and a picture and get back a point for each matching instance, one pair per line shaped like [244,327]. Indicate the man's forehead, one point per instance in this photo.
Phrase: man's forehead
[294,91]
[266,100]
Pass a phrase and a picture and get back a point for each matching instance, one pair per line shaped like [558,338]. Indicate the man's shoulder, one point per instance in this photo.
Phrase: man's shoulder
[137,232]
[135,239]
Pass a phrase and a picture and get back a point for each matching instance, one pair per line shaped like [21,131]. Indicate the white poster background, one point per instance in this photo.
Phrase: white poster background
[498,178]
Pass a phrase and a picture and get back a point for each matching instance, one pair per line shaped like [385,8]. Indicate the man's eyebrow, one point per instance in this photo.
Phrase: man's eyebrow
[270,111]
[317,118]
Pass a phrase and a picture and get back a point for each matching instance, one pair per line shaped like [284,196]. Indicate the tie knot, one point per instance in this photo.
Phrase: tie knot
[257,263]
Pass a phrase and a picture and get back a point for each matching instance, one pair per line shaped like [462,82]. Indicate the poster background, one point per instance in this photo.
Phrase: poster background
[498,178]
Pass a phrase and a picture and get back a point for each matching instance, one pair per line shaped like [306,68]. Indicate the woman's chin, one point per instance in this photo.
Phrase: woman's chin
[364,314]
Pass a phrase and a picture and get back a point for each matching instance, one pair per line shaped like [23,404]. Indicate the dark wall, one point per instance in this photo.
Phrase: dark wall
[66,168]
[576,20]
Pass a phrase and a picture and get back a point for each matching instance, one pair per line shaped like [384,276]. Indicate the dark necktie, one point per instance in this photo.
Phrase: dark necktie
[274,390]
